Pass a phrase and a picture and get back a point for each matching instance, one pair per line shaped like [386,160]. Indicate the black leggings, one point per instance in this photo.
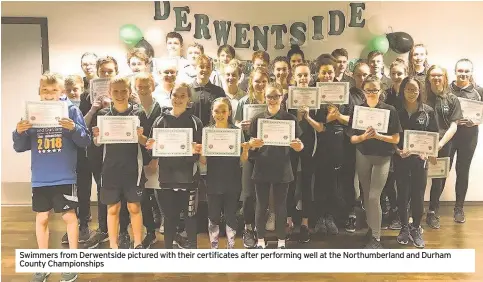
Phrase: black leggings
[84,186]
[147,209]
[248,193]
[280,199]
[437,185]
[226,203]
[390,190]
[348,176]
[308,164]
[291,201]
[411,178]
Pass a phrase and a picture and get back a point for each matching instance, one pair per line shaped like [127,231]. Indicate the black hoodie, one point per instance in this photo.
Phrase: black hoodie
[179,172]
[471,92]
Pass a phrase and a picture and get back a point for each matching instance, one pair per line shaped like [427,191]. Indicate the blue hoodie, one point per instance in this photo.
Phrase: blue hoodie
[54,150]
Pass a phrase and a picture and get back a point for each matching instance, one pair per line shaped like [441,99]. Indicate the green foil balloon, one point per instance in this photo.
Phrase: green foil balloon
[130,34]
[379,43]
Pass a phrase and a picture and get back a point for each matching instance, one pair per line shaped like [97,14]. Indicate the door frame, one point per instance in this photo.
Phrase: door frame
[44,34]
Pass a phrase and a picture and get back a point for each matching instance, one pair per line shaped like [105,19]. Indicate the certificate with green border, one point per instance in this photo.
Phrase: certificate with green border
[333,92]
[173,142]
[440,170]
[117,129]
[275,132]
[421,142]
[364,117]
[472,110]
[303,96]
[218,142]
[43,114]
[251,110]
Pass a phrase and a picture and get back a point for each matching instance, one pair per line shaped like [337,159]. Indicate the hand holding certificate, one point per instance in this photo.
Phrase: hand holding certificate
[173,142]
[421,142]
[46,113]
[333,92]
[440,169]
[276,132]
[99,87]
[472,110]
[117,129]
[365,117]
[303,96]
[221,142]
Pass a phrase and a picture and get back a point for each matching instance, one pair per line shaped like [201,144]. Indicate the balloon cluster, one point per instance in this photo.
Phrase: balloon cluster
[132,36]
[399,42]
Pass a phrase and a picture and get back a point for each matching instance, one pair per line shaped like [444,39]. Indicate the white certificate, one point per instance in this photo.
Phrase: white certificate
[472,110]
[275,132]
[117,129]
[303,96]
[173,142]
[421,142]
[333,92]
[99,87]
[251,110]
[221,142]
[364,117]
[46,113]
[440,169]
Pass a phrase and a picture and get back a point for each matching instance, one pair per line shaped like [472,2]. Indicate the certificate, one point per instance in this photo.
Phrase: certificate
[221,142]
[99,87]
[472,110]
[364,117]
[421,142]
[303,96]
[46,113]
[276,132]
[173,142]
[333,92]
[117,129]
[440,169]
[251,110]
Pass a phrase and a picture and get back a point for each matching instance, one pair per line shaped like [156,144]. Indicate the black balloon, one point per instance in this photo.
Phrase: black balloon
[400,42]
[146,46]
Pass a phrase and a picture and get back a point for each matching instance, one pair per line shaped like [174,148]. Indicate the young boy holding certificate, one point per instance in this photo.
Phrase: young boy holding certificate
[122,174]
[54,158]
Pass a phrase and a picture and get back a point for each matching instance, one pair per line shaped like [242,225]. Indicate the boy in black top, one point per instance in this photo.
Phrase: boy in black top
[122,173]
[341,56]
[375,59]
[88,64]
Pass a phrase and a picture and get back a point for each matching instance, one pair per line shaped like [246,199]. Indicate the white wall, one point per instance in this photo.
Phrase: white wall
[445,27]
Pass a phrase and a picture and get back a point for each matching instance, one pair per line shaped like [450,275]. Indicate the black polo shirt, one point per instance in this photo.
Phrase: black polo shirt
[374,147]
[272,163]
[356,98]
[346,78]
[203,97]
[309,136]
[391,97]
[447,108]
[424,119]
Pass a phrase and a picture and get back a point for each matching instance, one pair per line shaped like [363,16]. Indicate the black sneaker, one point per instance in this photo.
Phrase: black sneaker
[432,220]
[403,237]
[331,227]
[149,240]
[459,215]
[395,223]
[373,244]
[350,225]
[138,247]
[96,238]
[84,234]
[281,247]
[181,242]
[417,238]
[304,235]
[260,247]
[249,239]
[124,240]
[65,239]
[320,226]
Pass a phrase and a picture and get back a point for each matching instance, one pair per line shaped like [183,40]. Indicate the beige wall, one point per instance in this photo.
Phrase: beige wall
[449,29]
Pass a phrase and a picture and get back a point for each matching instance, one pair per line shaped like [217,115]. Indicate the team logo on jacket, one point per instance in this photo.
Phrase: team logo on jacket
[445,109]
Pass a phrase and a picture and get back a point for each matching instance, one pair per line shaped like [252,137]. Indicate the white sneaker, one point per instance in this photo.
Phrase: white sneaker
[270,225]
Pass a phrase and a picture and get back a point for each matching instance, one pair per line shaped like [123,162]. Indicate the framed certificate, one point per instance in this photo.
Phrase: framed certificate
[365,117]
[251,110]
[221,142]
[421,142]
[173,142]
[99,87]
[303,96]
[472,110]
[43,114]
[440,170]
[275,132]
[117,129]
[333,92]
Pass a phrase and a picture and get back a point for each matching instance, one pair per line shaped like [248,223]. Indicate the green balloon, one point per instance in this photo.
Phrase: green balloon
[130,34]
[379,43]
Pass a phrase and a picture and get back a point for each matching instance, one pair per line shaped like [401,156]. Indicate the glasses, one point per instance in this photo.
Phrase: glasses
[372,91]
[414,91]
[273,97]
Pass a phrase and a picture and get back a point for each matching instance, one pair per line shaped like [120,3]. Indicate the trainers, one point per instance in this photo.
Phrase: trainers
[149,240]
[270,225]
[65,239]
[181,242]
[350,225]
[96,238]
[161,225]
[281,247]
[124,240]
[459,215]
[403,237]
[139,247]
[68,277]
[395,224]
[373,244]
[432,220]
[320,226]
[304,235]
[40,277]
[84,234]
[330,225]
[249,239]
[417,238]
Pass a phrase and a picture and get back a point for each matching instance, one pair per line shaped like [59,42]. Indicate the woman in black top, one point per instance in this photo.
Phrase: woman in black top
[223,178]
[418,65]
[272,168]
[411,170]
[466,138]
[448,113]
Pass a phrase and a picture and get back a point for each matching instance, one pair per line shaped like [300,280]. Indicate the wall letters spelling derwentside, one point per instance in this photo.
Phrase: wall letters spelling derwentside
[298,30]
